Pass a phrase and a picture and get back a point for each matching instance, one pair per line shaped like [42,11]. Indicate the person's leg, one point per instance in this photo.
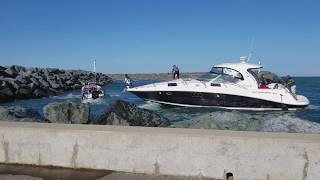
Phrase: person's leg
[178,75]
[293,91]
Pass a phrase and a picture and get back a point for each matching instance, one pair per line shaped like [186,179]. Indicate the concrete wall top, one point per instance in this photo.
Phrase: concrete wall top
[168,151]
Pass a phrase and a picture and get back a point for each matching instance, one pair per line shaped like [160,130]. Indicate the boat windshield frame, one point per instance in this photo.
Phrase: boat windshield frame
[223,74]
[255,75]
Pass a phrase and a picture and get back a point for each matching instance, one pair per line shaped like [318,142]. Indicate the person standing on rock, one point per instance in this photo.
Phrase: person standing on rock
[128,81]
[175,72]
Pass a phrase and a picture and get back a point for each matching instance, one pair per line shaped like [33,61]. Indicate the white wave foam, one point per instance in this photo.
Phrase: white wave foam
[150,106]
[313,107]
[95,101]
[68,96]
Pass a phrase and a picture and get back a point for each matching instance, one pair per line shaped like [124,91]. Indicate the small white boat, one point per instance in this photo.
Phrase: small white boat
[91,91]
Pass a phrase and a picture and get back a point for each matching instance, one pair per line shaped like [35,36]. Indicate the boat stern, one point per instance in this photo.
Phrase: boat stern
[303,101]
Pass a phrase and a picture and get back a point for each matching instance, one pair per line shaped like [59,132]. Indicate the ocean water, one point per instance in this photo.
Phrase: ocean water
[304,121]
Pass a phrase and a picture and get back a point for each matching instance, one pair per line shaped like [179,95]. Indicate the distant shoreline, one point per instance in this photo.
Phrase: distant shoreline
[168,76]
[155,76]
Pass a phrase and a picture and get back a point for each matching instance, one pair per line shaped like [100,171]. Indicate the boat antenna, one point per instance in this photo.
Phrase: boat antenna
[94,70]
[250,50]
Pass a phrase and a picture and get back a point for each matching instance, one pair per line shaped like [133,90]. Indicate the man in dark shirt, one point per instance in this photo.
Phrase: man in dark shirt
[292,86]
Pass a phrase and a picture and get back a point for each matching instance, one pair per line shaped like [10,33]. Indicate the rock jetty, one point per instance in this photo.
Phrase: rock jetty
[18,82]
[126,114]
[119,113]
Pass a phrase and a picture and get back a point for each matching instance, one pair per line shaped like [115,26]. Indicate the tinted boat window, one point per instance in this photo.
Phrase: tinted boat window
[207,77]
[232,72]
[216,70]
[222,74]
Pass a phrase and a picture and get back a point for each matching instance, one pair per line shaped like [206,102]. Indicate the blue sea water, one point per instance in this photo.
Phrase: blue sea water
[308,86]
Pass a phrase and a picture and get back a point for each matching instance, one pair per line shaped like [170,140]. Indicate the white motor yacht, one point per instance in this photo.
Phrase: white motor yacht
[229,86]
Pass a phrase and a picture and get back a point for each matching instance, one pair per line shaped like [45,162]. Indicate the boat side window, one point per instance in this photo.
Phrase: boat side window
[226,75]
[232,72]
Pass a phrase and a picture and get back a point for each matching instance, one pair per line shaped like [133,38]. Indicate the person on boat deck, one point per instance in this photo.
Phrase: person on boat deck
[292,86]
[128,81]
[263,83]
[175,72]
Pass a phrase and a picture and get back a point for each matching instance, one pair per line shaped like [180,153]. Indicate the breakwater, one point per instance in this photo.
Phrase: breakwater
[18,82]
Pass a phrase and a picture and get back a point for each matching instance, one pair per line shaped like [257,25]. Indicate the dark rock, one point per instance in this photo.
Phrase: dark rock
[16,113]
[54,85]
[53,92]
[24,92]
[53,70]
[44,83]
[124,113]
[35,81]
[2,68]
[77,86]
[15,70]
[12,83]
[40,93]
[6,91]
[19,69]
[34,86]
[3,72]
[67,112]
[6,94]
[23,79]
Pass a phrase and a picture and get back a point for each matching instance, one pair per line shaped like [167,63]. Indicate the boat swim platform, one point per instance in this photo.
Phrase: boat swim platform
[162,151]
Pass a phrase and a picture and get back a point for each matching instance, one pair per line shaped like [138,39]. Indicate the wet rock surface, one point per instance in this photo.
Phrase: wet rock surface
[18,82]
[126,114]
[16,113]
[67,112]
[240,121]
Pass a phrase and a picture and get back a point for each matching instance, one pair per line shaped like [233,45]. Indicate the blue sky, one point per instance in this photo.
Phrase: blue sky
[152,35]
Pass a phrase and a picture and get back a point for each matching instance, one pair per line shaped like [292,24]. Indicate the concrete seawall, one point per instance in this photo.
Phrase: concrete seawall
[165,151]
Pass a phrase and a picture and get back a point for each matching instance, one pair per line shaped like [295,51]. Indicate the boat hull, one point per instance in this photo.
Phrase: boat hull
[201,99]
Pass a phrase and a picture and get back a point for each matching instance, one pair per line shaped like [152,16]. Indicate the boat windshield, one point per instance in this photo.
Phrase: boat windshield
[207,77]
[222,74]
[269,77]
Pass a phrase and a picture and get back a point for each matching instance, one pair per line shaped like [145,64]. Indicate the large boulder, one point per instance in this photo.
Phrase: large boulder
[124,113]
[2,68]
[67,112]
[17,113]
[14,70]
[12,83]
[23,79]
[6,94]
[24,92]
[3,72]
